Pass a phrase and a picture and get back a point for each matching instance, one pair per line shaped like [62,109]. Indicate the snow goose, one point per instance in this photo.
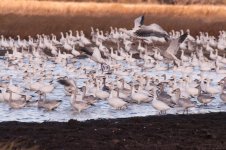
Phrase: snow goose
[116,102]
[139,97]
[213,56]
[1,96]
[157,55]
[192,91]
[116,56]
[121,84]
[78,104]
[158,104]
[223,94]
[90,99]
[96,56]
[123,94]
[150,32]
[205,65]
[46,88]
[140,48]
[212,89]
[164,97]
[171,51]
[218,70]
[75,52]
[17,104]
[160,67]
[138,22]
[204,98]
[48,104]
[103,95]
[69,84]
[183,102]
[183,57]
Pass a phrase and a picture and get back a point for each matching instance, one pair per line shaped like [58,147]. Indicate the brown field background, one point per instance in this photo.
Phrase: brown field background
[29,17]
[184,2]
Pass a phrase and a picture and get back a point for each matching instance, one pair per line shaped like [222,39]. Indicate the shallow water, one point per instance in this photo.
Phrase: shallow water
[101,109]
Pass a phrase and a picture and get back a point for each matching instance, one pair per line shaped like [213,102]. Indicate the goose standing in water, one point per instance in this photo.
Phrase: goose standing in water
[47,88]
[17,104]
[223,96]
[163,96]
[183,102]
[223,92]
[78,104]
[139,97]
[203,97]
[116,102]
[159,105]
[48,104]
[90,99]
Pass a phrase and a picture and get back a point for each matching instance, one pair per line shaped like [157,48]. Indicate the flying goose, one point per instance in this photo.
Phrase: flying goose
[138,22]
[174,44]
[150,32]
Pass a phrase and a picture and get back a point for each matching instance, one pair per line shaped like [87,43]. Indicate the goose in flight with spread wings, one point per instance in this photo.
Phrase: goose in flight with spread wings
[149,32]
[173,47]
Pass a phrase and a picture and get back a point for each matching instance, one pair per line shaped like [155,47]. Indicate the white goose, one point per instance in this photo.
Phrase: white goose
[75,52]
[212,89]
[17,104]
[159,105]
[103,95]
[139,97]
[78,104]
[116,102]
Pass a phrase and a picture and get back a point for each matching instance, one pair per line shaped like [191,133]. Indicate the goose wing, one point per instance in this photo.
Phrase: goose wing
[87,51]
[174,46]
[139,21]
[149,32]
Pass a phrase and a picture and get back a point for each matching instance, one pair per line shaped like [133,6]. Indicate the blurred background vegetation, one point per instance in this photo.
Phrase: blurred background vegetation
[29,17]
[180,2]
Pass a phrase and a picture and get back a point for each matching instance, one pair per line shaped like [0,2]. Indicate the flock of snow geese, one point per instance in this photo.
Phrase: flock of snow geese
[128,67]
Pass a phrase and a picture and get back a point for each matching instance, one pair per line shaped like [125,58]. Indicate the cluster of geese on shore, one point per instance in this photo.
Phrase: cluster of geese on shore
[121,71]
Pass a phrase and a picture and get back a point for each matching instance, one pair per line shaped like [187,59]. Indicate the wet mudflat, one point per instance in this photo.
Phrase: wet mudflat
[199,131]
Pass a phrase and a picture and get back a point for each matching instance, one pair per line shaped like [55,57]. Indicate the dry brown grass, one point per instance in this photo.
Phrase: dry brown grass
[25,7]
[184,2]
[30,17]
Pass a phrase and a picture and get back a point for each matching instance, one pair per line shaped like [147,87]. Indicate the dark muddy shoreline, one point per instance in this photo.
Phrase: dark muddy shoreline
[203,131]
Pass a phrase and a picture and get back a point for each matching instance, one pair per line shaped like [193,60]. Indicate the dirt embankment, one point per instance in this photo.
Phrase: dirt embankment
[204,131]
